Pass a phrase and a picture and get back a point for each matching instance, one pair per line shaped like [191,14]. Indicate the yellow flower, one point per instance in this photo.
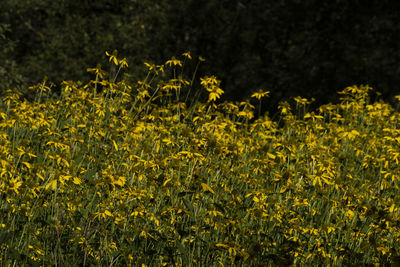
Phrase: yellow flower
[77,181]
[52,184]
[260,94]
[123,63]
[15,184]
[174,61]
[211,84]
[187,54]
[98,71]
[113,57]
[215,94]
[303,101]
[284,107]
[246,113]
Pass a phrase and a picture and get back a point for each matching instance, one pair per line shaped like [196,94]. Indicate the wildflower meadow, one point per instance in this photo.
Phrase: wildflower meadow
[122,173]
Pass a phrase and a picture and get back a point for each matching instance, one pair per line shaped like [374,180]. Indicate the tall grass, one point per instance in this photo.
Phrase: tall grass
[112,173]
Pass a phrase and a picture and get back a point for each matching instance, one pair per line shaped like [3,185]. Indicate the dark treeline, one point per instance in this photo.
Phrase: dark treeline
[309,48]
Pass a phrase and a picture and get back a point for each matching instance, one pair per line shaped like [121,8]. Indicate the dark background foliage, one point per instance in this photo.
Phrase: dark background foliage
[309,48]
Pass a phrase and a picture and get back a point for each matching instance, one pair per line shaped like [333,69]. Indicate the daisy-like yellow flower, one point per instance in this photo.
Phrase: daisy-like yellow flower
[113,57]
[260,94]
[174,61]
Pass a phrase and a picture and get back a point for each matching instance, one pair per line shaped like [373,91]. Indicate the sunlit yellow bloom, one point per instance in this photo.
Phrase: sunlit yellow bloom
[260,94]
[113,57]
[173,61]
[123,63]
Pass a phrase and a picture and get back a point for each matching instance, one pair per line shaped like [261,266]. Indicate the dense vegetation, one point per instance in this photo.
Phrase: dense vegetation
[111,172]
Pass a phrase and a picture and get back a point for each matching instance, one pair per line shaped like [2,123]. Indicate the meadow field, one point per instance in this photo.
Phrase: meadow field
[118,173]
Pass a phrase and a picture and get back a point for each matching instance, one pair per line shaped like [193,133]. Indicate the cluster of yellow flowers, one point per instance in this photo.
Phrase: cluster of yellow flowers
[115,173]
